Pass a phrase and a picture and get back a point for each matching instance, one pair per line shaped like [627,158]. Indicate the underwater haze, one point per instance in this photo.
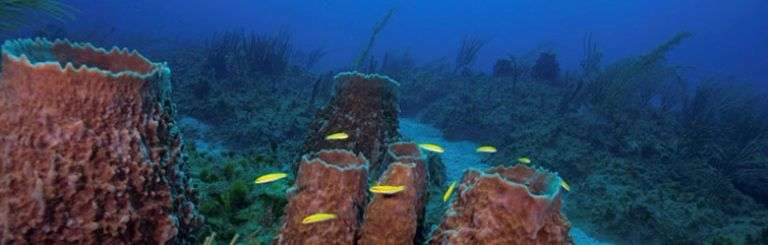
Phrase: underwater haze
[384,122]
[729,37]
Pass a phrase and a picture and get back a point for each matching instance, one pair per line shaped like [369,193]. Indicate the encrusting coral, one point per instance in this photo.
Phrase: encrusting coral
[90,151]
[505,205]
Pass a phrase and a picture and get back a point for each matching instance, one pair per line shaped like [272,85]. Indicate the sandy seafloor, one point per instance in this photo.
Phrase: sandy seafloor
[459,156]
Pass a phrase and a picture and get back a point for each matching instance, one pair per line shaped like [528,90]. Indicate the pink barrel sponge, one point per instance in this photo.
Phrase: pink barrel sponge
[505,205]
[88,149]
[329,181]
[395,219]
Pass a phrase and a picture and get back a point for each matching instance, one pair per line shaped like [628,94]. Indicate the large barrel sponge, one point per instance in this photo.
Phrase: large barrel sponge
[396,219]
[88,149]
[505,205]
[364,107]
[328,181]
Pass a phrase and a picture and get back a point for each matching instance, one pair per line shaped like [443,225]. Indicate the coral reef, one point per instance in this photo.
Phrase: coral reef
[90,150]
[505,205]
[231,53]
[508,68]
[364,107]
[651,163]
[248,108]
[546,68]
[328,181]
[405,209]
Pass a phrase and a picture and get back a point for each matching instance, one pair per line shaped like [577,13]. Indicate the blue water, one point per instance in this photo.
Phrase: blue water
[730,37]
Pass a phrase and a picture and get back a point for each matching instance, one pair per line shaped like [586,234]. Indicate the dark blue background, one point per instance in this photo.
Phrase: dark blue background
[730,37]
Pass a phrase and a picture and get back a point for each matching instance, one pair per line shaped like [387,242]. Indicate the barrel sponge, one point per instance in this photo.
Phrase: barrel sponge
[328,181]
[406,208]
[505,205]
[365,107]
[88,148]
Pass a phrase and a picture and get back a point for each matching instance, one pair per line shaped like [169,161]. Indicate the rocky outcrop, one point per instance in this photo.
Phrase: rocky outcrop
[329,181]
[505,205]
[364,107]
[89,153]
[396,218]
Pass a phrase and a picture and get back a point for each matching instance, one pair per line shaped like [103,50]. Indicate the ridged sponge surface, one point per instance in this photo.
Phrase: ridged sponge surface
[505,205]
[89,153]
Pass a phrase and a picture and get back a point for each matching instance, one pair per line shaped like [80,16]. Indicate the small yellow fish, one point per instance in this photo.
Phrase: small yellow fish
[432,147]
[449,191]
[387,189]
[565,185]
[524,160]
[270,177]
[486,149]
[337,136]
[318,217]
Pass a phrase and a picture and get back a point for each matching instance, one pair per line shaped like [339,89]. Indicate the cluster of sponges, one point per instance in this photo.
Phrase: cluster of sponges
[516,205]
[364,106]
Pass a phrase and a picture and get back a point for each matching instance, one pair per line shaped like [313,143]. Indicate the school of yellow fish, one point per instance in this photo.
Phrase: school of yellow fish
[388,189]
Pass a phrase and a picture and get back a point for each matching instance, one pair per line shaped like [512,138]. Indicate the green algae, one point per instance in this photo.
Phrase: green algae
[230,201]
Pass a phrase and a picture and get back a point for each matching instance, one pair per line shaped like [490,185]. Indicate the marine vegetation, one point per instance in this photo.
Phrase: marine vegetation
[230,200]
[640,147]
[247,142]
[647,136]
[247,93]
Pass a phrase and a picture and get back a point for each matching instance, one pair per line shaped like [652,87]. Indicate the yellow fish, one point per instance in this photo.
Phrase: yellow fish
[449,191]
[432,148]
[337,136]
[318,217]
[387,189]
[565,185]
[486,149]
[270,177]
[524,160]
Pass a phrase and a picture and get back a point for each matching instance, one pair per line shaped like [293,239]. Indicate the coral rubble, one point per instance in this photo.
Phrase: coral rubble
[364,107]
[90,153]
[396,219]
[329,181]
[505,205]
